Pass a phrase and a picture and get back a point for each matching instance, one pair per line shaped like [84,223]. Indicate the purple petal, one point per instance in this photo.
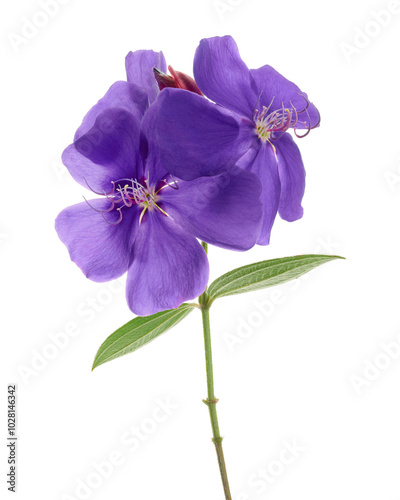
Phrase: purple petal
[279,91]
[108,152]
[264,164]
[169,267]
[139,69]
[224,210]
[120,95]
[292,176]
[102,251]
[222,75]
[154,169]
[196,137]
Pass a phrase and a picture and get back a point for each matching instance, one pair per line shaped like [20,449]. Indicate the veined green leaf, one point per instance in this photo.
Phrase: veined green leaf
[265,274]
[138,332]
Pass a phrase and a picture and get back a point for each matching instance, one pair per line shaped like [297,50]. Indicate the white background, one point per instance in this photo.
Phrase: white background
[293,376]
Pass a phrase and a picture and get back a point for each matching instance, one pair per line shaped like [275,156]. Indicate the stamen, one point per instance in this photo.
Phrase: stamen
[134,193]
[103,193]
[296,114]
[100,211]
[118,221]
[173,183]
[162,211]
[142,214]
[255,110]
[305,110]
[127,201]
[268,125]
[308,130]
[307,103]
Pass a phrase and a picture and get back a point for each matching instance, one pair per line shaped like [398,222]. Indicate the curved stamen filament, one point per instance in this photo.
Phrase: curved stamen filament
[308,128]
[172,184]
[307,103]
[114,223]
[103,193]
[125,196]
[305,110]
[101,211]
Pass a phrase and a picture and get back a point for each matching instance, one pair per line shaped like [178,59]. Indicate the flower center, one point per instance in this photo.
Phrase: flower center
[279,121]
[128,192]
[139,194]
[270,126]
[143,195]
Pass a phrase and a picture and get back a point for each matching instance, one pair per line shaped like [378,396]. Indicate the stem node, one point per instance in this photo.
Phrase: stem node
[209,402]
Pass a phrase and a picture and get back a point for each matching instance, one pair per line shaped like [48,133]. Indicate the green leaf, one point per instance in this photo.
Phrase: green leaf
[265,274]
[138,332]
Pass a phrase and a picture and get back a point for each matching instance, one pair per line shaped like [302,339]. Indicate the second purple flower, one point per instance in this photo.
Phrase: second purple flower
[264,104]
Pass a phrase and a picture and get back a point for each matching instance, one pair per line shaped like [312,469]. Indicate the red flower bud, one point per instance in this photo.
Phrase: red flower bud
[177,80]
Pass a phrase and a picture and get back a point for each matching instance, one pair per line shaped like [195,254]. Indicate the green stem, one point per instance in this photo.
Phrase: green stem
[211,400]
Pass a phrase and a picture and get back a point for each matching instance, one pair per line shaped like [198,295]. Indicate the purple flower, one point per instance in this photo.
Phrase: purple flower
[146,221]
[264,105]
